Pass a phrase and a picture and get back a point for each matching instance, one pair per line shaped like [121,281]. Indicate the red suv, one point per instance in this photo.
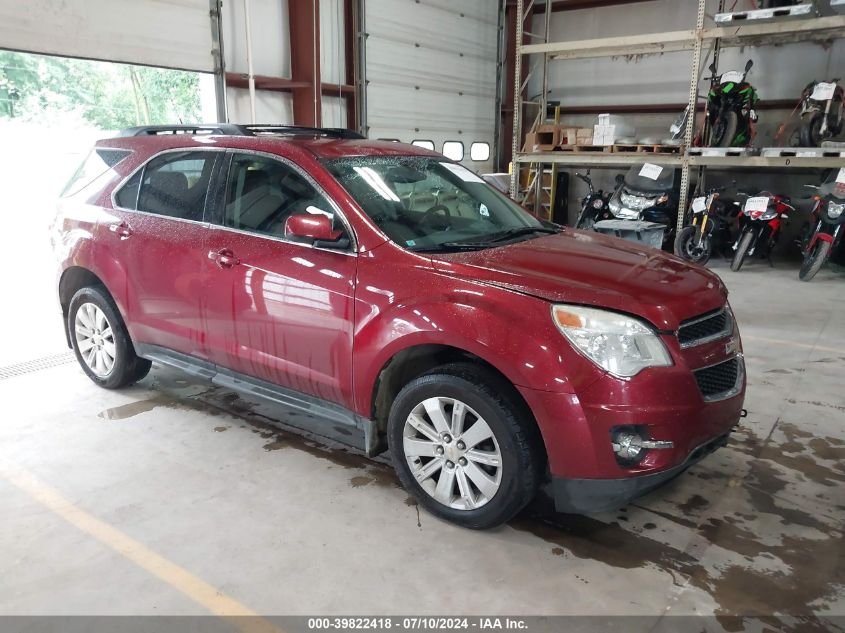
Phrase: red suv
[405,304]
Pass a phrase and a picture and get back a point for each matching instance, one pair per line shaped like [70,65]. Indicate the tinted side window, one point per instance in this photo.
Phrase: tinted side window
[262,193]
[127,197]
[176,185]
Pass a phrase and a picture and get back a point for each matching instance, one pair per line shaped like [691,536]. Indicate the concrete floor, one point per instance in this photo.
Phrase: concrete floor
[173,497]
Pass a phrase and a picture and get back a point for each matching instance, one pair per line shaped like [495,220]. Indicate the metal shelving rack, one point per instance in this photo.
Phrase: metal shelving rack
[745,34]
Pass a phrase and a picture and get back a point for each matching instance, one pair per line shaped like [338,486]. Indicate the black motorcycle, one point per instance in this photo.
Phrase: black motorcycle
[593,205]
[826,223]
[650,193]
[730,108]
[712,229]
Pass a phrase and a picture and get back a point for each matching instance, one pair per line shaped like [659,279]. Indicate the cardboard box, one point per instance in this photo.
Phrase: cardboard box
[568,135]
[548,136]
[584,136]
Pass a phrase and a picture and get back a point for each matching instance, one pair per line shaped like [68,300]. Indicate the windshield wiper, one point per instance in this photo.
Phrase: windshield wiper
[505,235]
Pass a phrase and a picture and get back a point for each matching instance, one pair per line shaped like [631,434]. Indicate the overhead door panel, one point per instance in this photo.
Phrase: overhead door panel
[168,33]
[431,72]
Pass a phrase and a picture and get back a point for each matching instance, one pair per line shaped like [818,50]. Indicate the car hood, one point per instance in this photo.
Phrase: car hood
[588,268]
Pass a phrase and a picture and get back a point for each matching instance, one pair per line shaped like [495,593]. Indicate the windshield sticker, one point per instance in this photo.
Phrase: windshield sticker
[651,171]
[462,172]
[840,177]
[410,242]
[731,77]
[484,211]
[757,203]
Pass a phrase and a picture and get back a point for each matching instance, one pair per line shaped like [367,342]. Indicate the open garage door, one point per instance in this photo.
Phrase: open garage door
[166,33]
[431,75]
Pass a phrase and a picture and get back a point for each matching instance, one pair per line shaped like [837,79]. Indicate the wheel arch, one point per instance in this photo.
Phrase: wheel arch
[416,360]
[72,280]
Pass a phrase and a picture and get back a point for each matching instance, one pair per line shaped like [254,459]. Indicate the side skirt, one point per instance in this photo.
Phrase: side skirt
[328,419]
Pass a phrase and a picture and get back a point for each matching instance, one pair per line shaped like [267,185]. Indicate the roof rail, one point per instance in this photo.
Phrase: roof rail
[232,129]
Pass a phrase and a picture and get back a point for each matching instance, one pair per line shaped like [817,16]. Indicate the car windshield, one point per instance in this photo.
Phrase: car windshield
[649,178]
[430,204]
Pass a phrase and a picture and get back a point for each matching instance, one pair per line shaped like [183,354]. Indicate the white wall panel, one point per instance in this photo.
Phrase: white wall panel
[332,42]
[431,71]
[270,37]
[270,107]
[168,33]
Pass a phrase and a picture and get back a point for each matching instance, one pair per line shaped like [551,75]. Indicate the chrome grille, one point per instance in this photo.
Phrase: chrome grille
[708,327]
[720,381]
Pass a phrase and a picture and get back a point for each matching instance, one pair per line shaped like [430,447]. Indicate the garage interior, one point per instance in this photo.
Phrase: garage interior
[174,497]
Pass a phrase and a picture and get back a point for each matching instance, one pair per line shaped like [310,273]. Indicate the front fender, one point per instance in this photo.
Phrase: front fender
[512,332]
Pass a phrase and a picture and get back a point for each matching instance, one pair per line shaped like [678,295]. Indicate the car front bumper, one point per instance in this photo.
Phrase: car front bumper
[584,496]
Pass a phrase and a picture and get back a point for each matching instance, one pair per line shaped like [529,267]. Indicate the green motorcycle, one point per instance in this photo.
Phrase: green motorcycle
[730,108]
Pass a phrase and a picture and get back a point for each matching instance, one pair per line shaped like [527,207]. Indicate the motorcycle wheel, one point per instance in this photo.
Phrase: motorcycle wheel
[687,246]
[814,261]
[810,134]
[742,251]
[724,130]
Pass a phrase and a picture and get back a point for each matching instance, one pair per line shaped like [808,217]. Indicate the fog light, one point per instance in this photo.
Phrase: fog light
[630,445]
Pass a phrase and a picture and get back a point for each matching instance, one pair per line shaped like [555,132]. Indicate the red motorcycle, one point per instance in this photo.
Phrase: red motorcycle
[760,226]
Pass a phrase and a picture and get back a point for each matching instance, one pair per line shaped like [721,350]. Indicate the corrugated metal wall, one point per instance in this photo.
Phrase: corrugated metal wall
[171,33]
[431,71]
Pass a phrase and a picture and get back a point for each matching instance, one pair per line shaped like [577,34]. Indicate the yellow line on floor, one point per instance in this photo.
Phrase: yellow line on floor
[180,579]
[778,341]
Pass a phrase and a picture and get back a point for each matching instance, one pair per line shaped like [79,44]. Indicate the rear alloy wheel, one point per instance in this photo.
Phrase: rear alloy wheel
[101,342]
[463,446]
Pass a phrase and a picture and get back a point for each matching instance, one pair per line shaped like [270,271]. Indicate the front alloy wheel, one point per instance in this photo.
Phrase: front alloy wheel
[465,445]
[452,453]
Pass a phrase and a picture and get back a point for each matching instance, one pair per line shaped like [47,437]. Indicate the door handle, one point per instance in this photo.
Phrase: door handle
[122,230]
[224,258]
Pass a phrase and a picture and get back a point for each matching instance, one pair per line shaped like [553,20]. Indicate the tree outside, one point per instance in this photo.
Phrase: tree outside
[109,96]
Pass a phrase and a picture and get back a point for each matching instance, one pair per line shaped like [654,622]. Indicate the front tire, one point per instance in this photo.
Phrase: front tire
[724,130]
[464,447]
[742,251]
[687,245]
[100,340]
[814,261]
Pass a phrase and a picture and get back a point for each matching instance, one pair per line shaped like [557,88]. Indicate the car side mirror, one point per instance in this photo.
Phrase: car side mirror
[315,229]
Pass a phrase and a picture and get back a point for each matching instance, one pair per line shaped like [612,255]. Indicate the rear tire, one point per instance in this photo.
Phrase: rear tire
[814,261]
[100,340]
[742,251]
[438,456]
[686,246]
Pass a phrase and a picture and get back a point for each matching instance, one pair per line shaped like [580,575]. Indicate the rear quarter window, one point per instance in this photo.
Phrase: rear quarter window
[99,161]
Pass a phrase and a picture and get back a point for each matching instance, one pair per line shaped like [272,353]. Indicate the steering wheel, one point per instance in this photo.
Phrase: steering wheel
[432,213]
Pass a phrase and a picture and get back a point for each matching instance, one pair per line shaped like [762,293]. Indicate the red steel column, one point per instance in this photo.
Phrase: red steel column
[305,61]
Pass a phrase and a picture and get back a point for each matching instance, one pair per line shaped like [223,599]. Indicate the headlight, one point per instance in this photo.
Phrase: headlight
[834,210]
[598,203]
[637,203]
[617,343]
